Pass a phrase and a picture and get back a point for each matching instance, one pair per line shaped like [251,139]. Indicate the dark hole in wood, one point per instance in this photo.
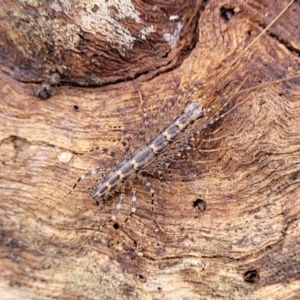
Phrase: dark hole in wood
[199,204]
[76,107]
[226,13]
[116,226]
[142,278]
[251,276]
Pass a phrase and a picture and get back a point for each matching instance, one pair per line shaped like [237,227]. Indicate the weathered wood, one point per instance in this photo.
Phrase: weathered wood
[230,233]
[92,43]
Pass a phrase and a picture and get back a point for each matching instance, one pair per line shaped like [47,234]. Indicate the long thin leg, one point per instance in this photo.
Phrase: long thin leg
[149,186]
[114,216]
[85,175]
[118,207]
[106,151]
[133,205]
[95,171]
[126,144]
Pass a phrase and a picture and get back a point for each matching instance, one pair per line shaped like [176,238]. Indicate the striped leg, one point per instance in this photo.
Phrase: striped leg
[126,144]
[149,186]
[95,171]
[118,207]
[133,205]
[113,217]
[83,176]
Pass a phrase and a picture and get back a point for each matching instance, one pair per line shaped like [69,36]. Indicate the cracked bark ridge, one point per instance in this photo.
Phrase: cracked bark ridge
[94,44]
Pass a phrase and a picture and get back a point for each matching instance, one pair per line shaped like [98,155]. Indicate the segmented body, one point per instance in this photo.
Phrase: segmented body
[164,144]
[147,154]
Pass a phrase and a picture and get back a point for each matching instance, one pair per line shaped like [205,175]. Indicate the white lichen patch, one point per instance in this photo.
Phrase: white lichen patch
[145,31]
[33,3]
[103,17]
[172,38]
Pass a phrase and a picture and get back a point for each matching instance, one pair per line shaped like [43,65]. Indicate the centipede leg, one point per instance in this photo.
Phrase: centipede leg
[149,186]
[101,149]
[85,175]
[95,171]
[118,207]
[133,205]
[126,144]
[112,218]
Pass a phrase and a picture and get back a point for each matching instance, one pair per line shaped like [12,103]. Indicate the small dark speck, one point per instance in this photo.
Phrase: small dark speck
[199,204]
[116,226]
[226,13]
[293,176]
[142,278]
[76,107]
[95,8]
[251,276]
[13,243]
[262,102]
[268,248]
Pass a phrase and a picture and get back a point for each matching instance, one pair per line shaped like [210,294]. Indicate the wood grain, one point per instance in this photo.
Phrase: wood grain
[230,213]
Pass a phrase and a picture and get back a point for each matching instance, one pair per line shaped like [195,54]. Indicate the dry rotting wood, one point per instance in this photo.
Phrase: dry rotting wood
[230,213]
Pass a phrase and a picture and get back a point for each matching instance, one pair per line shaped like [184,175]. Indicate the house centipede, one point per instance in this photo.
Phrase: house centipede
[163,145]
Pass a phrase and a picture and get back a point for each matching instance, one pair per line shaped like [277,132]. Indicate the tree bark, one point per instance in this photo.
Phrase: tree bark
[226,212]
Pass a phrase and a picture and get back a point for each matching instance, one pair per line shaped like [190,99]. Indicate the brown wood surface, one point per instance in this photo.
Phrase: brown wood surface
[229,211]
